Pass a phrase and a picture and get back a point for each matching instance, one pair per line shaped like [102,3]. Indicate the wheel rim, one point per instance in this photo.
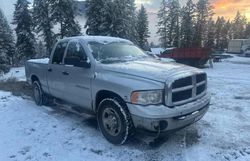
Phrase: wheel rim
[36,93]
[111,121]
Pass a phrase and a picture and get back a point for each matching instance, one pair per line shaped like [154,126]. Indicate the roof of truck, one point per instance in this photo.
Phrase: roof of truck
[101,39]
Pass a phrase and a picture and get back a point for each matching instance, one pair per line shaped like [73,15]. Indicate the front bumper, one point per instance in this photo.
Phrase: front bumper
[161,118]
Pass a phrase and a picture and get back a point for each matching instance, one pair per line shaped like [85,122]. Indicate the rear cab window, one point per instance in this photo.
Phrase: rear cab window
[59,53]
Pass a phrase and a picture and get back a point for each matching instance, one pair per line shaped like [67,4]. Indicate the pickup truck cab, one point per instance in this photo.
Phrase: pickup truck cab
[125,89]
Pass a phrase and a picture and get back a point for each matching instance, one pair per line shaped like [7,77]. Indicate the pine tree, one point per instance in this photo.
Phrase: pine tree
[187,24]
[175,22]
[62,13]
[230,31]
[247,31]
[4,66]
[142,28]
[132,18]
[218,31]
[222,33]
[41,50]
[4,36]
[123,17]
[42,22]
[204,11]
[225,35]
[239,24]
[25,45]
[7,44]
[168,25]
[162,24]
[112,18]
[98,17]
[210,34]
[119,27]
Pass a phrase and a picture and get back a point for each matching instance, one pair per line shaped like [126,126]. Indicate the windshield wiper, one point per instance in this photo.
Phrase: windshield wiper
[123,59]
[111,60]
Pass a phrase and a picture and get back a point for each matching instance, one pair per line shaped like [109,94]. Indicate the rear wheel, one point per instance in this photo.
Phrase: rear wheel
[114,121]
[38,94]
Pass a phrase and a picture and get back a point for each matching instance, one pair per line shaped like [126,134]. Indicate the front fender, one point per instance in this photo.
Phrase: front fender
[122,84]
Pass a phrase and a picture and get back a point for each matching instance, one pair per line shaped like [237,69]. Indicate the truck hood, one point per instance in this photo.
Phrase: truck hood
[152,69]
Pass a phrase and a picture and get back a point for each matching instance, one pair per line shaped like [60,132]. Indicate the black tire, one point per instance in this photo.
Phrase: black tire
[38,94]
[119,134]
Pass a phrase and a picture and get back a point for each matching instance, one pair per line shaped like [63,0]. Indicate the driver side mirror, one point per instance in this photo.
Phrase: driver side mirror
[77,62]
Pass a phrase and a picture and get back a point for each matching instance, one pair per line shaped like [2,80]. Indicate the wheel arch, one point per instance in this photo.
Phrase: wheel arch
[102,94]
[34,78]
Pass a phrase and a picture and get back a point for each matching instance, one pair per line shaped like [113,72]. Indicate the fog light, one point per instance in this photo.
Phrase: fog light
[163,125]
[160,125]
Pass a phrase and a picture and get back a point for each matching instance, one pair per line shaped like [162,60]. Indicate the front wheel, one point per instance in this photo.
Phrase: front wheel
[114,121]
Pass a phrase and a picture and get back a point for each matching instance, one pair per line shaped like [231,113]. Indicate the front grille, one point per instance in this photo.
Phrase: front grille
[200,89]
[201,77]
[186,89]
[182,82]
[182,95]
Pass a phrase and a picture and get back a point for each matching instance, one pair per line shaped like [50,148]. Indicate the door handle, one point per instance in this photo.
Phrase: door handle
[49,70]
[65,73]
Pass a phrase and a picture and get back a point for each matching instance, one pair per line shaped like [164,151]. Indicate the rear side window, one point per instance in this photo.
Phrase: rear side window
[75,50]
[59,52]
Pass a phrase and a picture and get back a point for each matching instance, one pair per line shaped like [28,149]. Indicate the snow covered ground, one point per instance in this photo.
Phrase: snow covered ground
[15,73]
[29,132]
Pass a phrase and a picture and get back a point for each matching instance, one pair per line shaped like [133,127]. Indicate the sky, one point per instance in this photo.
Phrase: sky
[226,8]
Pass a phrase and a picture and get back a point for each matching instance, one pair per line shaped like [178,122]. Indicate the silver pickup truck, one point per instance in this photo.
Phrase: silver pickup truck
[125,89]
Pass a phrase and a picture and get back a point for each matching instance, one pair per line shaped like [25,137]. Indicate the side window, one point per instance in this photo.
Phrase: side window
[59,52]
[75,50]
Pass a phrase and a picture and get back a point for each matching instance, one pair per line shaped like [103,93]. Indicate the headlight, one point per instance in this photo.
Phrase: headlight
[147,97]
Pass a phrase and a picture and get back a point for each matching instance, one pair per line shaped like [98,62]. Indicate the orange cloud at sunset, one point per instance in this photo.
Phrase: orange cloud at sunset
[229,8]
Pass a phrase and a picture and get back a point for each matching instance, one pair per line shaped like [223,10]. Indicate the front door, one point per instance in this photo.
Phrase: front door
[77,79]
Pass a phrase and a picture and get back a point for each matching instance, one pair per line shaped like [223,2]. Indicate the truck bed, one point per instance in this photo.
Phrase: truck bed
[41,61]
[38,67]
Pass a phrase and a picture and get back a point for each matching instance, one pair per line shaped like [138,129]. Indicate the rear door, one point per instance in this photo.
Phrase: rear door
[55,71]
[77,79]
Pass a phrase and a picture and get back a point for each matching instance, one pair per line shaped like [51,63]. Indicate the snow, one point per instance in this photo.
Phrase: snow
[157,51]
[239,60]
[42,61]
[29,132]
[167,60]
[14,73]
[103,39]
[18,73]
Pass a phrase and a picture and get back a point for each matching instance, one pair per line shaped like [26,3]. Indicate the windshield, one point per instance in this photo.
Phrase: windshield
[115,52]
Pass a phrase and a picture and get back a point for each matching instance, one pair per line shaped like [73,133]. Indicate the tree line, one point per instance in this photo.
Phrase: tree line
[193,26]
